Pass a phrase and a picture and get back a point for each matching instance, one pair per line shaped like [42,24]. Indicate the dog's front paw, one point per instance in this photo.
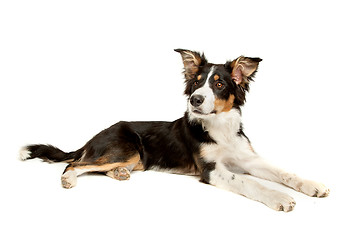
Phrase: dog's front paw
[280,201]
[314,189]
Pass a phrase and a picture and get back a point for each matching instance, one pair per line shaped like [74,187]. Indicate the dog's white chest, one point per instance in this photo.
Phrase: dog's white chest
[223,127]
[224,130]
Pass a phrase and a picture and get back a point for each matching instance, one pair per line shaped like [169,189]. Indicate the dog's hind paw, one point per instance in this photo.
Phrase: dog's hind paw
[69,179]
[119,173]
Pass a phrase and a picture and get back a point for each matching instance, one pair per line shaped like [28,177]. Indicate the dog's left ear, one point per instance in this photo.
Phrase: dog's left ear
[243,68]
[192,61]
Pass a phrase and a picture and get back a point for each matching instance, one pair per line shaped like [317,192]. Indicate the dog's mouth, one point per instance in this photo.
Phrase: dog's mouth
[197,111]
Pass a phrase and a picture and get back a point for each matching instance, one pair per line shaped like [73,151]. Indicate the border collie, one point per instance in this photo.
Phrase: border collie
[208,141]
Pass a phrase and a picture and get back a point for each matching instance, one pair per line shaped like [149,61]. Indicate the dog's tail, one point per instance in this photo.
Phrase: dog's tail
[49,153]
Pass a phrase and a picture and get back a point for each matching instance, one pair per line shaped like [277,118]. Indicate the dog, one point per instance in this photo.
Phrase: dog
[208,141]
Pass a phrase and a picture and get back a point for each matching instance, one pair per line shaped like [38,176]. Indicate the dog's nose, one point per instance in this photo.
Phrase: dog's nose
[196,100]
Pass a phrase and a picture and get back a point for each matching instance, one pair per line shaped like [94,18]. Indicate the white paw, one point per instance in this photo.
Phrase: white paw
[280,201]
[69,179]
[314,189]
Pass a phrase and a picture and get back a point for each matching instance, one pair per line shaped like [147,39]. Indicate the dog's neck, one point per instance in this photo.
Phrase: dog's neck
[222,127]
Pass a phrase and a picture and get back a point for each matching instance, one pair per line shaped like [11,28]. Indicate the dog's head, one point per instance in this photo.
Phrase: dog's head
[216,88]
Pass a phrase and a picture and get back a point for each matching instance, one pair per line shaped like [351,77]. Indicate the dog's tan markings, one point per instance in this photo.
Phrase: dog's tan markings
[109,166]
[216,77]
[99,168]
[222,105]
[199,77]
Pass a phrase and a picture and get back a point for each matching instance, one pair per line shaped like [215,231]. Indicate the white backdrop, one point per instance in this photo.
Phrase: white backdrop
[69,69]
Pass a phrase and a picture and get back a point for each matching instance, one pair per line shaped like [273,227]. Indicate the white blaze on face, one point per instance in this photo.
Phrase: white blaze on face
[209,98]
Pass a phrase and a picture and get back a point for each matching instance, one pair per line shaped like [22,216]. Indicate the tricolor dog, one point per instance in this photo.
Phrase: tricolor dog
[208,141]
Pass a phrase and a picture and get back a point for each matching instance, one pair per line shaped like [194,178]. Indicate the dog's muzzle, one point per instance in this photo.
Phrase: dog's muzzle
[198,105]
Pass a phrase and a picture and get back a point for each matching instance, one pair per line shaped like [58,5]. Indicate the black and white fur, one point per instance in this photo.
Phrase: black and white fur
[208,141]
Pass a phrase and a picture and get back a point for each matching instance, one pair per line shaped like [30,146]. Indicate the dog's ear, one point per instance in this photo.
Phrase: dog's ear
[243,68]
[192,61]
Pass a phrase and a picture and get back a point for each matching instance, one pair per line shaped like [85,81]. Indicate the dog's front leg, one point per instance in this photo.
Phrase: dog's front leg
[257,167]
[219,176]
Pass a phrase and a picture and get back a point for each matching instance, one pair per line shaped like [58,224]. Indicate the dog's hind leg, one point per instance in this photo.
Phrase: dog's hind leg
[119,170]
[115,151]
[122,172]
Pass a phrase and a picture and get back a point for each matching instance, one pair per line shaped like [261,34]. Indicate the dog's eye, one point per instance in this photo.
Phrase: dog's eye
[196,83]
[219,85]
